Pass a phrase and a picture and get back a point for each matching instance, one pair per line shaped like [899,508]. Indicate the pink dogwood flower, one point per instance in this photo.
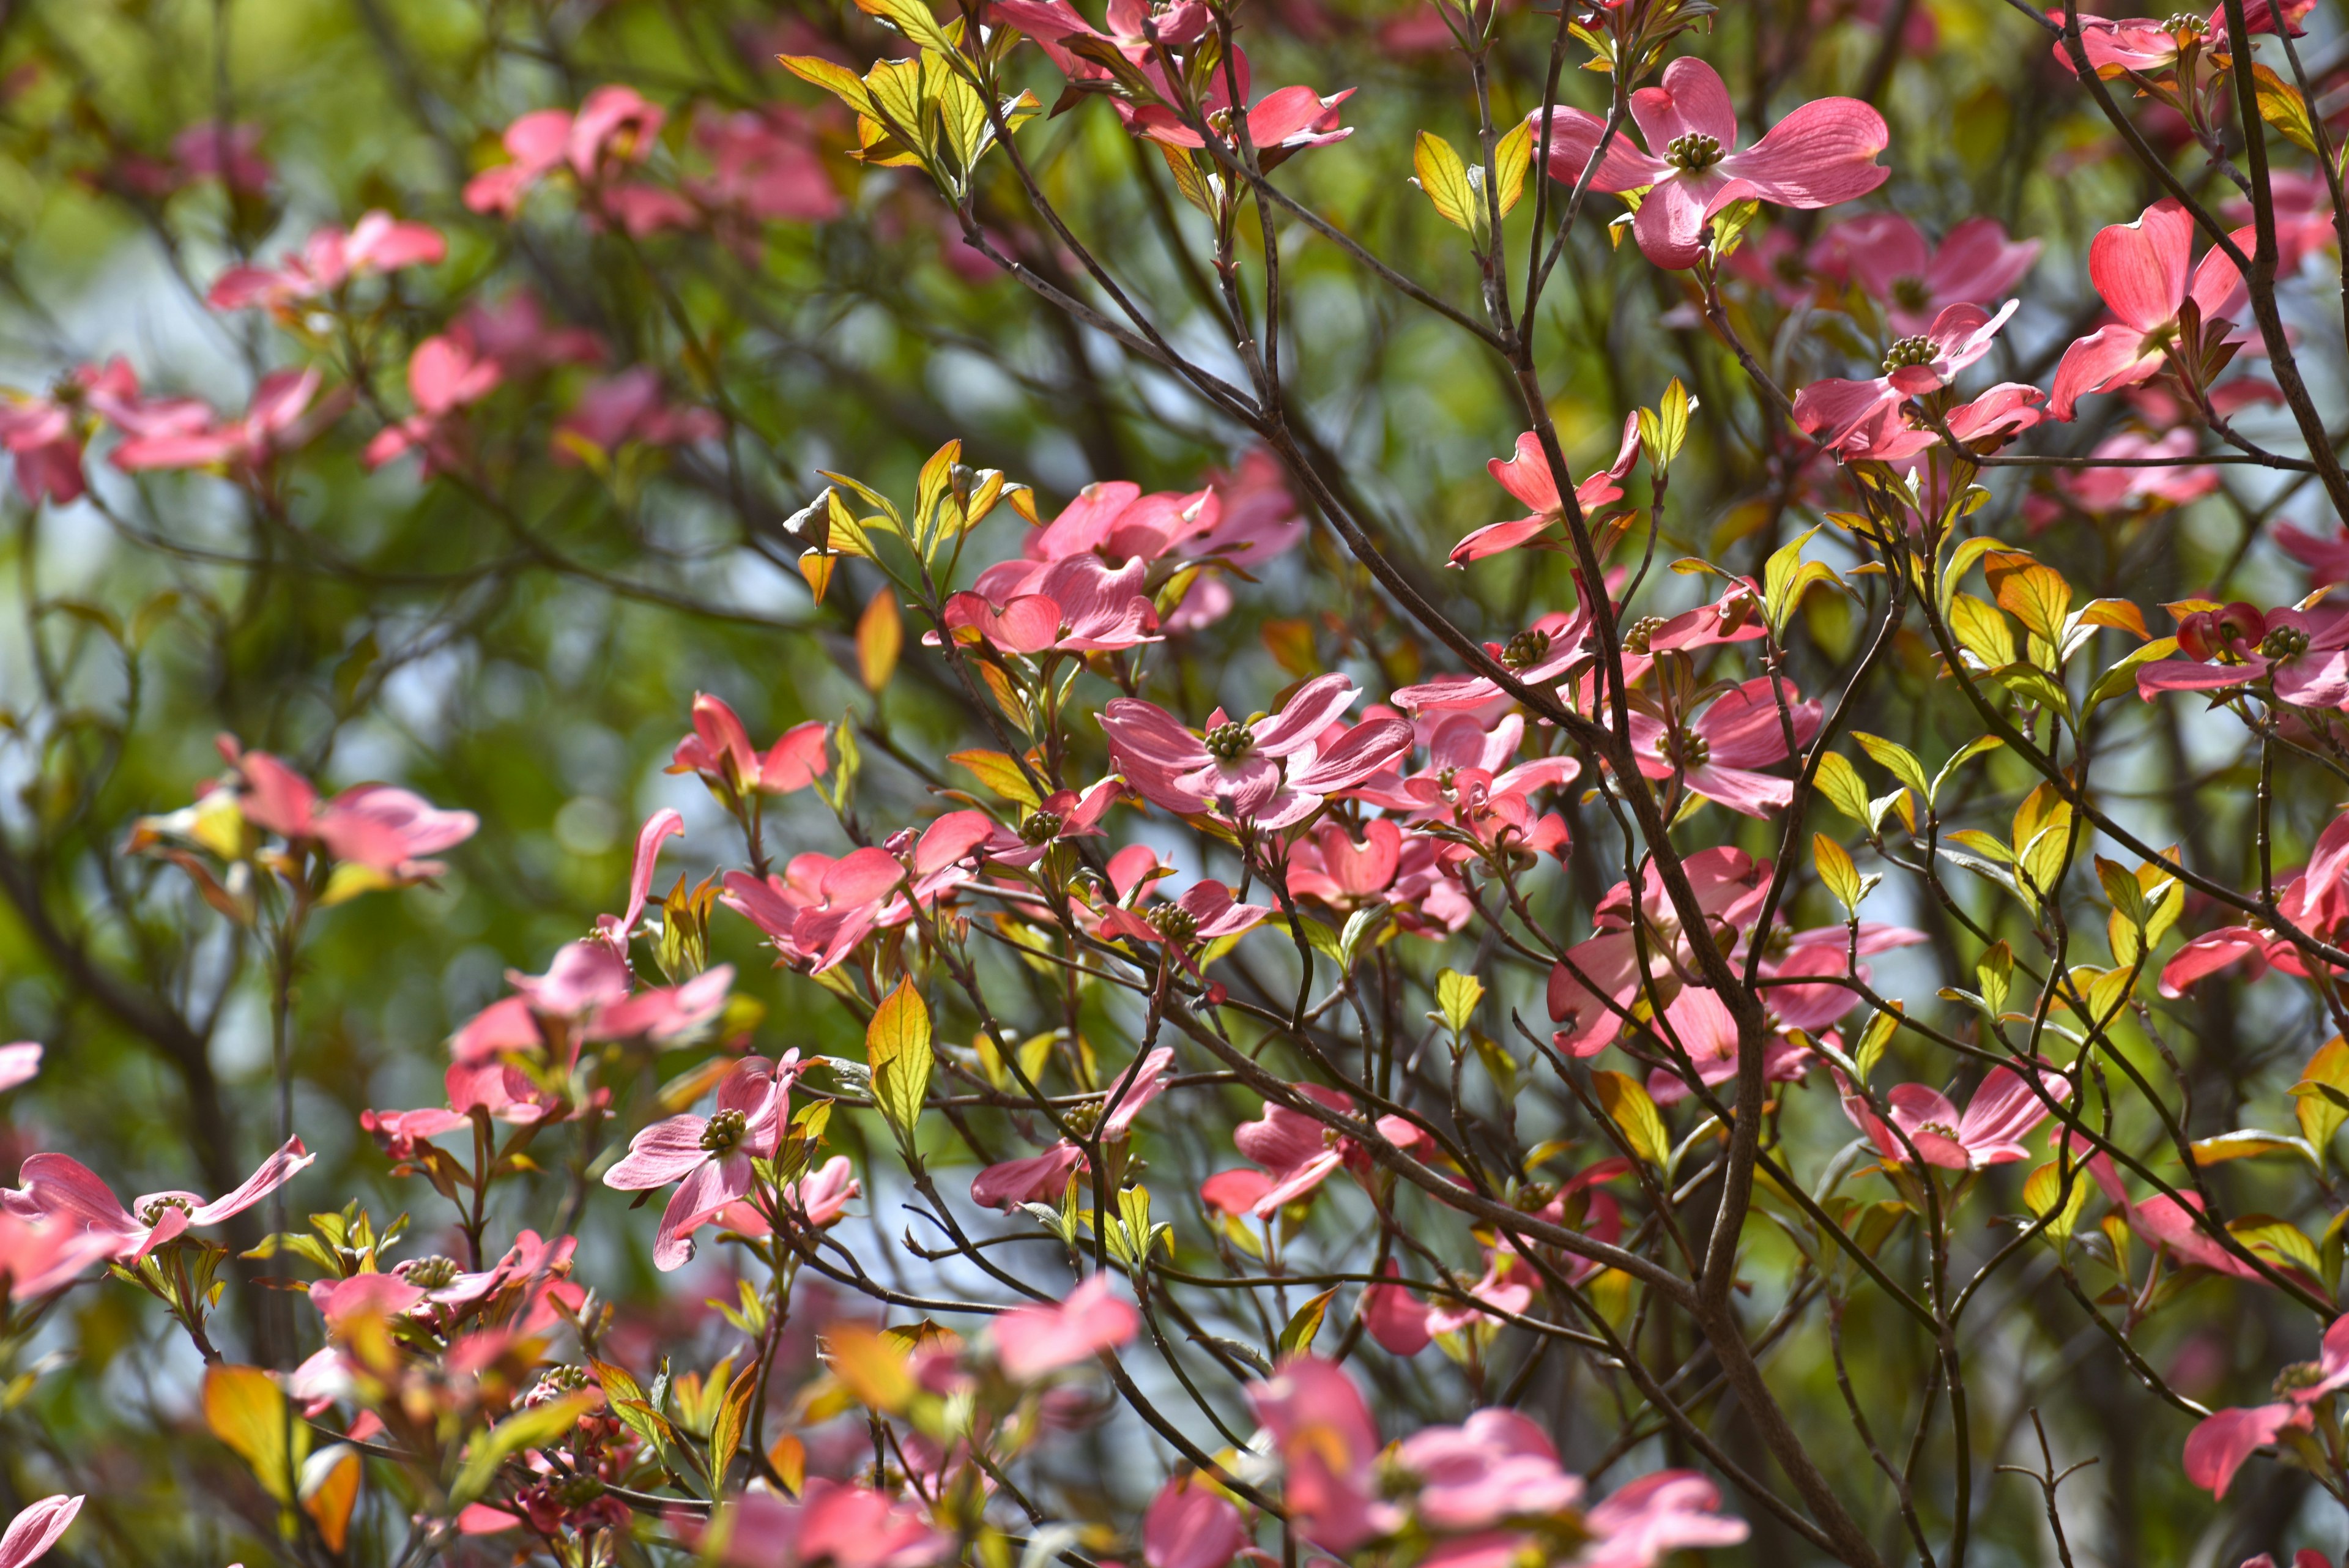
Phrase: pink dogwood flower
[1299,1152]
[45,435]
[1525,475]
[58,1187]
[1990,1132]
[764,167]
[615,127]
[40,1254]
[819,908]
[1037,1178]
[2141,271]
[1391,1315]
[708,1157]
[1716,752]
[2304,655]
[584,995]
[1638,1525]
[2223,1439]
[1913,368]
[1729,884]
[330,258]
[19,1064]
[1821,154]
[1055,24]
[380,827]
[1328,1449]
[1283,123]
[834,1522]
[1700,1023]
[629,407]
[1272,770]
[1497,1465]
[31,1534]
[1191,1525]
[183,434]
[1915,282]
[1079,605]
[445,374]
[1031,1341]
[720,750]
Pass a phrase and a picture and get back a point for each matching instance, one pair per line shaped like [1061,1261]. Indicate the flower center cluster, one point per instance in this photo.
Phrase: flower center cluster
[1230,740]
[1908,351]
[432,1273]
[1939,1129]
[1688,748]
[1911,293]
[724,1131]
[1525,650]
[1640,632]
[555,1383]
[1695,152]
[1174,923]
[2283,642]
[1042,827]
[2299,1374]
[2184,24]
[152,1212]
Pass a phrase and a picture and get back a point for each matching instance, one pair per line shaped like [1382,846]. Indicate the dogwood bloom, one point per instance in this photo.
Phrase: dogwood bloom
[708,1157]
[1272,770]
[31,1534]
[720,750]
[614,127]
[1079,605]
[1328,1449]
[2141,270]
[1284,122]
[445,373]
[1638,1525]
[1823,153]
[834,1522]
[1496,1465]
[2304,655]
[385,829]
[1031,1341]
[1716,752]
[1913,367]
[629,407]
[1190,1525]
[38,1255]
[331,257]
[2223,1439]
[19,1064]
[1892,261]
[58,1187]
[185,434]
[1526,475]
[1990,1132]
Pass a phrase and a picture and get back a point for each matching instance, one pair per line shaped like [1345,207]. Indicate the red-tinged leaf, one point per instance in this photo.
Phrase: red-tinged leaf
[879,634]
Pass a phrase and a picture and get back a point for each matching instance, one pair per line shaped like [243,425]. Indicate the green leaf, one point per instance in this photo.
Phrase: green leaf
[1444,178]
[1840,782]
[733,1420]
[1995,972]
[1626,1104]
[1897,760]
[2122,677]
[2322,1095]
[1881,1027]
[897,1048]
[2046,1186]
[1458,995]
[1782,577]
[1966,753]
[1305,1322]
[1837,875]
[2281,106]
[998,772]
[246,1410]
[2279,1241]
[1512,155]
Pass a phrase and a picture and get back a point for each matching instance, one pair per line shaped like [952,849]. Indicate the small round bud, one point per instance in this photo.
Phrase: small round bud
[724,1132]
[1642,633]
[1042,827]
[1695,152]
[1908,351]
[1174,923]
[430,1274]
[1525,650]
[2283,642]
[1230,740]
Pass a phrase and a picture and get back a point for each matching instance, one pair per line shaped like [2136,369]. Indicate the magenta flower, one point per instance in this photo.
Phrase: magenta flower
[1032,1340]
[45,435]
[1915,282]
[31,1534]
[1283,123]
[61,1189]
[1525,475]
[1037,1178]
[1990,1132]
[332,257]
[629,407]
[584,995]
[820,908]
[2107,489]
[1730,886]
[614,127]
[1716,753]
[1079,605]
[1913,367]
[1191,1525]
[720,750]
[1700,1023]
[444,374]
[184,433]
[1299,1152]
[708,1157]
[764,167]
[1638,1525]
[2223,1439]
[377,826]
[1392,1316]
[1329,1449]
[1062,814]
[1823,153]
[38,1255]
[1272,770]
[834,1522]
[1053,25]
[2140,269]
[2303,654]
[20,1064]
[1984,424]
[1495,1466]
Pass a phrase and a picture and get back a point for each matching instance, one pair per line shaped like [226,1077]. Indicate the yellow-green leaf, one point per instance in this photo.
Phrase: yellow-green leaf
[1626,1104]
[246,1410]
[1441,175]
[1837,875]
[1457,994]
[1512,156]
[897,1047]
[2322,1096]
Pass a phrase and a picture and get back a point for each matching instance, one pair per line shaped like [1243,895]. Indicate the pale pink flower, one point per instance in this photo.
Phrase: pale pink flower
[2096,489]
[330,258]
[1391,1315]
[1495,1466]
[38,1255]
[1273,771]
[1284,122]
[1716,752]
[2002,1111]
[184,433]
[1525,475]
[819,908]
[720,750]
[1730,886]
[1037,1178]
[615,127]
[1886,255]
[629,407]
[709,1157]
[1823,153]
[1638,1525]
[31,1534]
[764,167]
[57,1188]
[2223,1439]
[834,1523]
[377,825]
[2304,655]
[19,1064]
[445,374]
[2141,270]
[1191,1525]
[1032,1340]
[1329,1449]
[1079,605]
[1914,367]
